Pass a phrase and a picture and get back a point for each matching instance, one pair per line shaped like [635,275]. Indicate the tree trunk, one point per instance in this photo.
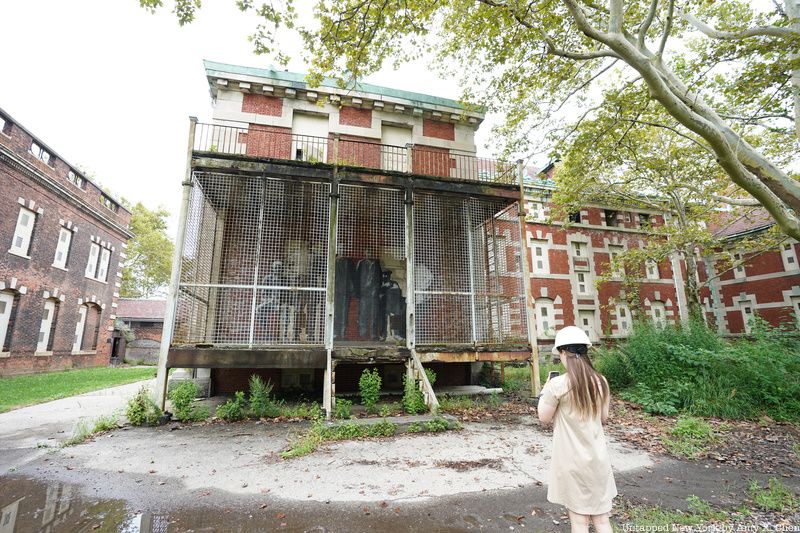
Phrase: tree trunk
[793,12]
[691,286]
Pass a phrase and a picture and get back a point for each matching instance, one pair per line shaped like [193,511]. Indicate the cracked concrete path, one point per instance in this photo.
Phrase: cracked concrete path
[25,433]
[148,465]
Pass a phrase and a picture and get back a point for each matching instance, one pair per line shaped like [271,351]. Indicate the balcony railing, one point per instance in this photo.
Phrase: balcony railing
[276,143]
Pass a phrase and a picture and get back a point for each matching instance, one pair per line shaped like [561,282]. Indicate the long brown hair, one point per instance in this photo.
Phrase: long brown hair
[588,389]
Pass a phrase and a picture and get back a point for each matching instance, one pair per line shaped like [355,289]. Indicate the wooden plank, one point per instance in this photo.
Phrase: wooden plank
[473,356]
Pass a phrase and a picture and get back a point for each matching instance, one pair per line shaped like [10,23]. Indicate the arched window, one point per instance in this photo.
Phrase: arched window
[48,326]
[87,329]
[545,317]
[658,312]
[8,314]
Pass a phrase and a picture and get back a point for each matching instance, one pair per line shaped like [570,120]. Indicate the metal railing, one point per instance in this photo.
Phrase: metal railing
[278,143]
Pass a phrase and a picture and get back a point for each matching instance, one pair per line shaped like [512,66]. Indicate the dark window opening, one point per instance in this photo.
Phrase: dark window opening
[575,217]
[611,217]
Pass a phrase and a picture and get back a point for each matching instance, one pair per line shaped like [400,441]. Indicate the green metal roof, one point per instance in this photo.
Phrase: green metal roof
[297,81]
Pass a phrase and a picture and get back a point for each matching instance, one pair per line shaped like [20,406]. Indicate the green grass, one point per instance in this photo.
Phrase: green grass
[774,497]
[20,391]
[699,512]
[691,435]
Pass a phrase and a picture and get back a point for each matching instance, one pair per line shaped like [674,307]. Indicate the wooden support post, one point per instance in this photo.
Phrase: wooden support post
[502,373]
[536,384]
[162,375]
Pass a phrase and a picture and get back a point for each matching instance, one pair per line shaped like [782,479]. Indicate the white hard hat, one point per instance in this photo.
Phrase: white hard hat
[570,335]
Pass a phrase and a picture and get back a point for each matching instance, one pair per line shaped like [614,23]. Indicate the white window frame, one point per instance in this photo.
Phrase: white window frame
[77,342]
[540,257]
[789,256]
[796,309]
[589,315]
[583,286]
[658,308]
[651,270]
[3,124]
[102,266]
[536,211]
[615,250]
[62,248]
[738,267]
[40,153]
[7,305]
[48,317]
[23,234]
[75,179]
[624,323]
[748,310]
[580,249]
[91,263]
[545,317]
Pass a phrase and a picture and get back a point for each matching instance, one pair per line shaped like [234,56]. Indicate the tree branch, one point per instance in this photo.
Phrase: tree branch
[667,30]
[645,25]
[757,31]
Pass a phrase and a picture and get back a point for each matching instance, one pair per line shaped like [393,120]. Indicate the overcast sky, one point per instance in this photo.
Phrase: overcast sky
[110,87]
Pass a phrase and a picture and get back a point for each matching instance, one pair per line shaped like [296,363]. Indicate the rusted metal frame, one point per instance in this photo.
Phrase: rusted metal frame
[257,286]
[258,261]
[298,170]
[329,391]
[470,262]
[494,301]
[246,358]
[410,282]
[536,385]
[473,356]
[172,299]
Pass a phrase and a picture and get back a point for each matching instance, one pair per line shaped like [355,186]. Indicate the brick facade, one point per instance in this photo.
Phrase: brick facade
[262,104]
[736,289]
[61,197]
[438,129]
[352,116]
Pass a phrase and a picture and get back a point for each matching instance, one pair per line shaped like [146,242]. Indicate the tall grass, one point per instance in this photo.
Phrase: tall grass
[693,370]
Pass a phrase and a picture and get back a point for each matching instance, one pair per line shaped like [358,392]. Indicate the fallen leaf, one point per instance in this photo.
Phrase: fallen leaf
[384,505]
[280,516]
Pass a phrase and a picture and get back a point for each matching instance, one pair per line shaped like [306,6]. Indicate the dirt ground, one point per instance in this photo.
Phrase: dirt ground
[490,475]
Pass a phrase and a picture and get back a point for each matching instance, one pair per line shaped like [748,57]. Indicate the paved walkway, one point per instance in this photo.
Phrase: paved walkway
[27,432]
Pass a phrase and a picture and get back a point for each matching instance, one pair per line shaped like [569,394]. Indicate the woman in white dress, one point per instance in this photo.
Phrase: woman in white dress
[577,404]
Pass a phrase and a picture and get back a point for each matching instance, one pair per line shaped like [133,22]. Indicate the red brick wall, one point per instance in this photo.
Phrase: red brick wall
[268,141]
[357,151]
[262,104]
[432,161]
[37,273]
[438,130]
[152,333]
[352,116]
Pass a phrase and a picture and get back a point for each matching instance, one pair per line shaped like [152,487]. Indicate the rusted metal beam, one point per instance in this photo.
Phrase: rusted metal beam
[371,355]
[230,358]
[472,357]
[304,171]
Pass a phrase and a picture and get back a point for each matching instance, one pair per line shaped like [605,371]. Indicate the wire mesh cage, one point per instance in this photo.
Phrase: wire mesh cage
[370,278]
[468,274]
[254,262]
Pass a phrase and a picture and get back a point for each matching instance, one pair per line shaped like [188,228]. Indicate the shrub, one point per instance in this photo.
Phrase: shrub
[142,410]
[694,371]
[233,409]
[691,436]
[413,399]
[182,398]
[369,386]
[436,425]
[261,403]
[342,409]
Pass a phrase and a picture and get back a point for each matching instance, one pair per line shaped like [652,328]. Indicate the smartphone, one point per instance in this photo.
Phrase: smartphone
[553,374]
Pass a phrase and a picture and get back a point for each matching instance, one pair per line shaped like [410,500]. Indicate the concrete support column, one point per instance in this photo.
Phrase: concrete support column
[328,390]
[172,298]
[533,339]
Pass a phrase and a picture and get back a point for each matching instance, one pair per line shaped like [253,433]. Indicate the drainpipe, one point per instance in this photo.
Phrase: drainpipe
[172,298]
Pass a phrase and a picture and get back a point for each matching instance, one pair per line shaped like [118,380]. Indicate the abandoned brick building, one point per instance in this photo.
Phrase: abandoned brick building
[138,329]
[566,262]
[59,275]
[764,283]
[327,229]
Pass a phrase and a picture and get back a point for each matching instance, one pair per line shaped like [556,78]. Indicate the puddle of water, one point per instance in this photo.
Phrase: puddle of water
[31,505]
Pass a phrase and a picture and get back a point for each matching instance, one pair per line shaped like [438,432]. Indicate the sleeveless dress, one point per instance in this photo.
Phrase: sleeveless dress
[580,476]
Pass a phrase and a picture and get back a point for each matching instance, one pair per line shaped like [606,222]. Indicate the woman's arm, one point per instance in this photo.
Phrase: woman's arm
[546,410]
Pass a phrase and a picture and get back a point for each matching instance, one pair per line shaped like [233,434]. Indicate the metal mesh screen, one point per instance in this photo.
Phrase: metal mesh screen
[253,268]
[370,251]
[468,274]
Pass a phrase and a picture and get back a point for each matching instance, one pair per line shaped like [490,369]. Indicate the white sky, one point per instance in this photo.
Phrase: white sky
[110,87]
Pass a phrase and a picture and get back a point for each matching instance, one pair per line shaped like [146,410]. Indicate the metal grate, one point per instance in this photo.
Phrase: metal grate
[468,280]
[371,228]
[255,249]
